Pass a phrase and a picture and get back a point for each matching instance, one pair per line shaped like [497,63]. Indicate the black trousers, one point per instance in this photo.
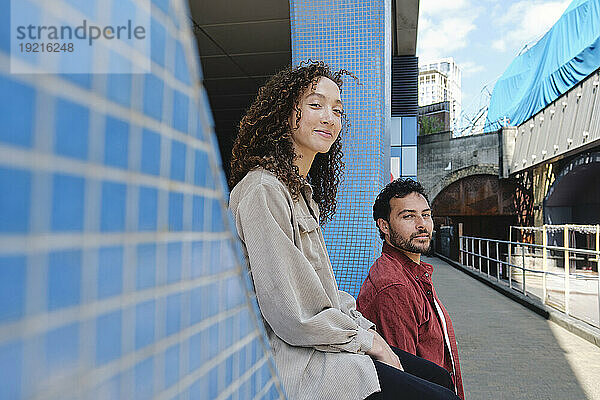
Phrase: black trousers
[421,380]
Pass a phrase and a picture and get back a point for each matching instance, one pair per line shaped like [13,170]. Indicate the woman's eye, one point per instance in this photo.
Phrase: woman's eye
[314,105]
[338,111]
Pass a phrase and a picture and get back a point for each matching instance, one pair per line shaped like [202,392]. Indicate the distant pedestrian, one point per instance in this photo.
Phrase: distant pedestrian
[398,294]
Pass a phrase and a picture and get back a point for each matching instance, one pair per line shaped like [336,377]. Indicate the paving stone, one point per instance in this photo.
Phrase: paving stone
[509,352]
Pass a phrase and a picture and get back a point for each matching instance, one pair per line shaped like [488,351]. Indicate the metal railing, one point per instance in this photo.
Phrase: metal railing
[500,259]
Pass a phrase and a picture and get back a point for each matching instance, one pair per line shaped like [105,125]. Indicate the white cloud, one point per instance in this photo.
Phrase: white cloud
[499,45]
[440,7]
[527,21]
[444,27]
[469,68]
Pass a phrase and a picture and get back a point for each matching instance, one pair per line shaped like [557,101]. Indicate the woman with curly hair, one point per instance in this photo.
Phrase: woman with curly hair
[286,166]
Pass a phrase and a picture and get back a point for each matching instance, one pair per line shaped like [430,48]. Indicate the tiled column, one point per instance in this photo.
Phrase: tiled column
[353,35]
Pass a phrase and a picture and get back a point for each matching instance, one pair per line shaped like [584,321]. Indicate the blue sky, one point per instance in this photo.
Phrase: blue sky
[483,36]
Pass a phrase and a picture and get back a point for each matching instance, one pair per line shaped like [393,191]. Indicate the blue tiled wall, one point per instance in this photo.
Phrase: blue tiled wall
[352,35]
[120,274]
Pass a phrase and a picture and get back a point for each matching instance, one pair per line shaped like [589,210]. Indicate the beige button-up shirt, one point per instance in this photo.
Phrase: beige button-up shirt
[318,337]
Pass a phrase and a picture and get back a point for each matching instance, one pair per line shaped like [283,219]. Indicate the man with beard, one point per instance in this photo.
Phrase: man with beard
[398,294]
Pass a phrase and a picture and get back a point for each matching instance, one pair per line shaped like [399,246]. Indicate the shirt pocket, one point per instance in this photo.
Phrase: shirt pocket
[310,241]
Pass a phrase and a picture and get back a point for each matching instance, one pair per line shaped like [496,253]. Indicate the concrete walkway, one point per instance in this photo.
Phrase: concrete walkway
[509,352]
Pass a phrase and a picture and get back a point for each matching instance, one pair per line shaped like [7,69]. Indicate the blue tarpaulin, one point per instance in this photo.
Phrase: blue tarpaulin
[564,56]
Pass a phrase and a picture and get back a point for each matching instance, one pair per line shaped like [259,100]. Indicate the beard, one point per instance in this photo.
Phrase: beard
[408,244]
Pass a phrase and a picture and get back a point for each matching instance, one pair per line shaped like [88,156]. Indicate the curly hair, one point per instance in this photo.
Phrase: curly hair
[265,136]
[397,188]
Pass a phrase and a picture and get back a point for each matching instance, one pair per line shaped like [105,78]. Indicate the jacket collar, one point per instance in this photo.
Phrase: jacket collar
[422,270]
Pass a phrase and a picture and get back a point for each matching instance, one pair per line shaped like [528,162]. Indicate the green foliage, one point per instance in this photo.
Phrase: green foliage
[428,125]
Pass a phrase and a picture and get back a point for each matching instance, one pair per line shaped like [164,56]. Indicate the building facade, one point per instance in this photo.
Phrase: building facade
[439,81]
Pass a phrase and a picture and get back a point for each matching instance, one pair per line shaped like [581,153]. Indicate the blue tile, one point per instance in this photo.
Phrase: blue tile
[118,86]
[201,168]
[215,257]
[150,152]
[17,107]
[198,214]
[153,96]
[175,211]
[12,287]
[108,337]
[5,33]
[198,354]
[64,279]
[180,111]
[174,262]
[72,126]
[112,217]
[198,310]
[83,80]
[173,314]
[162,4]
[217,224]
[62,347]
[409,160]
[396,151]
[178,155]
[396,131]
[181,68]
[88,8]
[116,143]
[148,208]
[213,383]
[146,266]
[110,271]
[143,373]
[235,293]
[67,203]
[144,324]
[409,131]
[11,361]
[198,262]
[157,45]
[171,365]
[15,186]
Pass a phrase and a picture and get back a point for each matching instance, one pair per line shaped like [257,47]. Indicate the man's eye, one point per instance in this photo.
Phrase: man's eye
[314,105]
[338,111]
[426,215]
[408,216]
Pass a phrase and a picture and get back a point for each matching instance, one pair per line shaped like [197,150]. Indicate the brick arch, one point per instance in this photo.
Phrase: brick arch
[454,176]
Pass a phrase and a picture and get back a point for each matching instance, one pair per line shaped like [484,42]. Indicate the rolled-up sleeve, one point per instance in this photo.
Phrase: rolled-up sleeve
[289,292]
[348,306]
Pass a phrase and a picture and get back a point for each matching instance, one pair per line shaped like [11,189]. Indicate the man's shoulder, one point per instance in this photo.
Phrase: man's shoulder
[387,271]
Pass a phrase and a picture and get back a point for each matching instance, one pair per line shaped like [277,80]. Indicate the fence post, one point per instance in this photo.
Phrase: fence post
[479,254]
[598,266]
[509,266]
[472,253]
[487,255]
[567,267]
[523,258]
[460,242]
[544,264]
[498,264]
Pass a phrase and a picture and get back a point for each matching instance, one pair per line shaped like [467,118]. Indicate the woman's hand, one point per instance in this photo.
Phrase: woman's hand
[381,351]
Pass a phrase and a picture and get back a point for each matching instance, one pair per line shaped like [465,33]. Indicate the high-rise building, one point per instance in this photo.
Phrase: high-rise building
[439,81]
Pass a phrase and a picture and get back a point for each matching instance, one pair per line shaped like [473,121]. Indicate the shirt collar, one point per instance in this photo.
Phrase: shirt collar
[422,270]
